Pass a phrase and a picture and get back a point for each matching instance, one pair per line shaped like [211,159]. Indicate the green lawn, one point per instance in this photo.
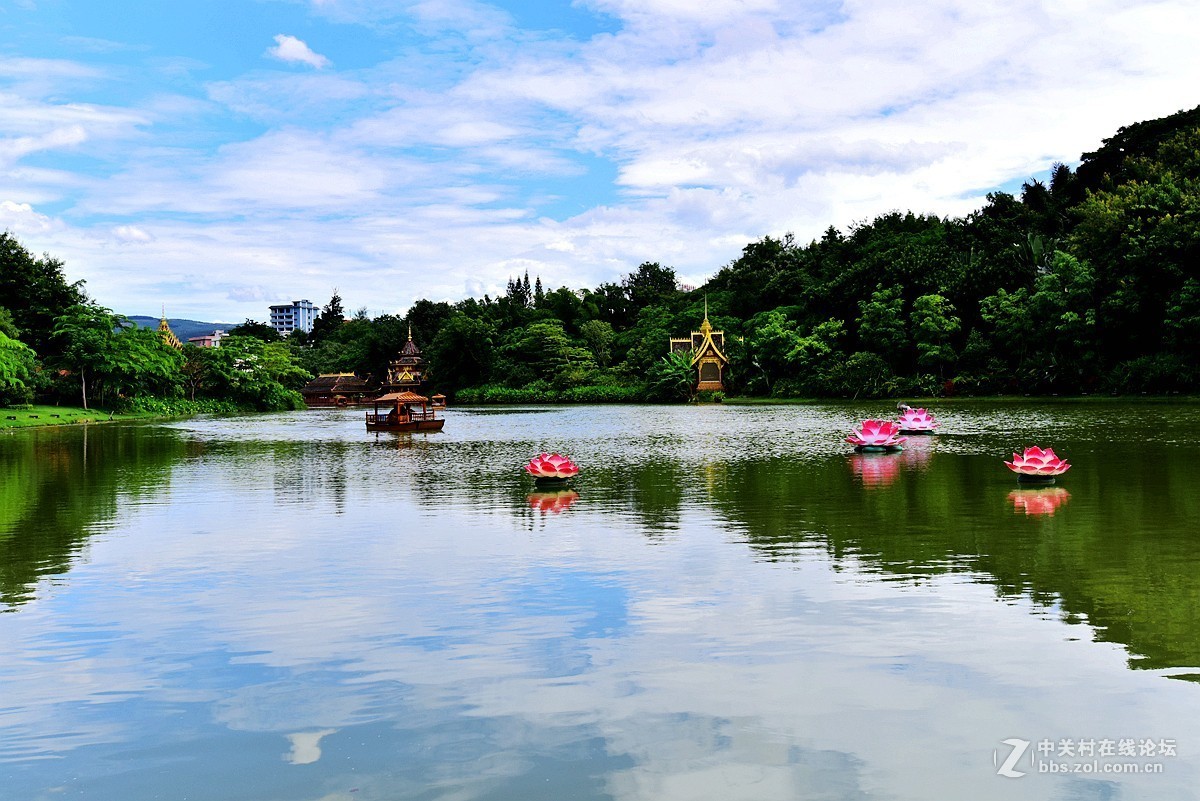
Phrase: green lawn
[56,415]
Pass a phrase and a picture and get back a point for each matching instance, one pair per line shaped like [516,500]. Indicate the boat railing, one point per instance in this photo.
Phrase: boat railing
[413,414]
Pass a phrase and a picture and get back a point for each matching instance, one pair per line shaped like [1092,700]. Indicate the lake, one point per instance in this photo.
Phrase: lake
[728,604]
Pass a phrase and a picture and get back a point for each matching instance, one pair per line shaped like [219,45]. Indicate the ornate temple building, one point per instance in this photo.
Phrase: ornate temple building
[168,336]
[338,389]
[708,358]
[406,371]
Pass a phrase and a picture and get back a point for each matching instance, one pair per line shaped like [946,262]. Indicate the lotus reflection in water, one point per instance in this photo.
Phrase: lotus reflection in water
[1038,501]
[553,503]
[875,469]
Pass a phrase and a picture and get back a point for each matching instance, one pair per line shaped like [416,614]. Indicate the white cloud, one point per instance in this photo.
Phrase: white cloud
[67,136]
[290,49]
[131,234]
[21,219]
[687,132]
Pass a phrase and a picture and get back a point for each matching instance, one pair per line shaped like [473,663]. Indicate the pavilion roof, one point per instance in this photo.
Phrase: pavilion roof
[402,397]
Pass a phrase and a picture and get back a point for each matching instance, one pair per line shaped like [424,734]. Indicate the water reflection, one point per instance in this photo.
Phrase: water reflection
[876,469]
[306,746]
[59,486]
[288,608]
[1036,502]
[552,502]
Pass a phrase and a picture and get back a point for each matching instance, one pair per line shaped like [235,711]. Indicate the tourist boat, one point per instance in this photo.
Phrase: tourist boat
[403,411]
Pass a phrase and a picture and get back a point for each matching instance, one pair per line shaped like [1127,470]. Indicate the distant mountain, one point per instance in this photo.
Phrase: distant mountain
[184,329]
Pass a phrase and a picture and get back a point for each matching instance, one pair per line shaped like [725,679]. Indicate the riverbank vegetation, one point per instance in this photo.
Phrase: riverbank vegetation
[1087,282]
[59,345]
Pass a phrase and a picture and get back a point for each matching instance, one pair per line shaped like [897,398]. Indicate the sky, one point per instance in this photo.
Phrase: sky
[218,156]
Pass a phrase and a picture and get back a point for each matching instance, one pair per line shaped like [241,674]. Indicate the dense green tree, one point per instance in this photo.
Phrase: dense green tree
[646,342]
[332,315]
[143,365]
[769,346]
[84,340]
[463,351]
[17,370]
[934,324]
[649,285]
[598,336]
[427,319]
[247,370]
[1142,237]
[672,377]
[35,291]
[881,327]
[253,328]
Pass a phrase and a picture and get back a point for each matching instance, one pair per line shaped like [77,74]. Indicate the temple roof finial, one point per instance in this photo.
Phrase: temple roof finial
[410,331]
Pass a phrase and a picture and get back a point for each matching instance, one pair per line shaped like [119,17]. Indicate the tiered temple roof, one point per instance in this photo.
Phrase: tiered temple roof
[707,347]
[407,370]
[168,336]
[337,389]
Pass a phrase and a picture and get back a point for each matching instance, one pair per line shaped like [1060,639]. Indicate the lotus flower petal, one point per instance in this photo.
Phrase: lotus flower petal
[1038,462]
[551,465]
[876,433]
[917,420]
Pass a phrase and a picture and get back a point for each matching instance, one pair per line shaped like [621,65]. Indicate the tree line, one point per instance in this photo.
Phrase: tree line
[1088,282]
[56,343]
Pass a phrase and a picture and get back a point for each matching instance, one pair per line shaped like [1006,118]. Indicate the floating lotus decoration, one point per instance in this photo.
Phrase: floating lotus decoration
[917,421]
[876,436]
[1043,501]
[552,503]
[1038,466]
[551,468]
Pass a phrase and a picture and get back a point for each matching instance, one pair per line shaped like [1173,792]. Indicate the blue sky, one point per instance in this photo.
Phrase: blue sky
[219,156]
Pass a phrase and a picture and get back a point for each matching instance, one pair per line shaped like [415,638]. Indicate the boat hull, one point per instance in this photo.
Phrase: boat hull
[411,425]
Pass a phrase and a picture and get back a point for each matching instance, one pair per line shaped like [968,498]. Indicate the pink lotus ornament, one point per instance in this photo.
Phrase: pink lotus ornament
[551,468]
[876,436]
[1037,466]
[917,421]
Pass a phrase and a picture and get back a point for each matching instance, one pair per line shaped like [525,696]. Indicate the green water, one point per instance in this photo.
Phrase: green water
[728,604]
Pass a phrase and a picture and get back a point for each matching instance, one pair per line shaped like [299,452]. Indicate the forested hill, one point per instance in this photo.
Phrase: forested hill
[1087,283]
[184,329]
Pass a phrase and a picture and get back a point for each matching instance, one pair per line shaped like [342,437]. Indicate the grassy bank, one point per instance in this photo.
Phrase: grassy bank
[59,416]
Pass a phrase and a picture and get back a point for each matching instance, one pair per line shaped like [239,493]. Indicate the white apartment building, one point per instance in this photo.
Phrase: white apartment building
[287,317]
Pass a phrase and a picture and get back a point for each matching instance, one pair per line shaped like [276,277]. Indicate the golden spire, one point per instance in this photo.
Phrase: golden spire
[164,331]
[706,326]
[410,331]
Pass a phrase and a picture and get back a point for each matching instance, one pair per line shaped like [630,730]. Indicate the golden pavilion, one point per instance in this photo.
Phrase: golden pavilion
[707,347]
[407,370]
[164,331]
